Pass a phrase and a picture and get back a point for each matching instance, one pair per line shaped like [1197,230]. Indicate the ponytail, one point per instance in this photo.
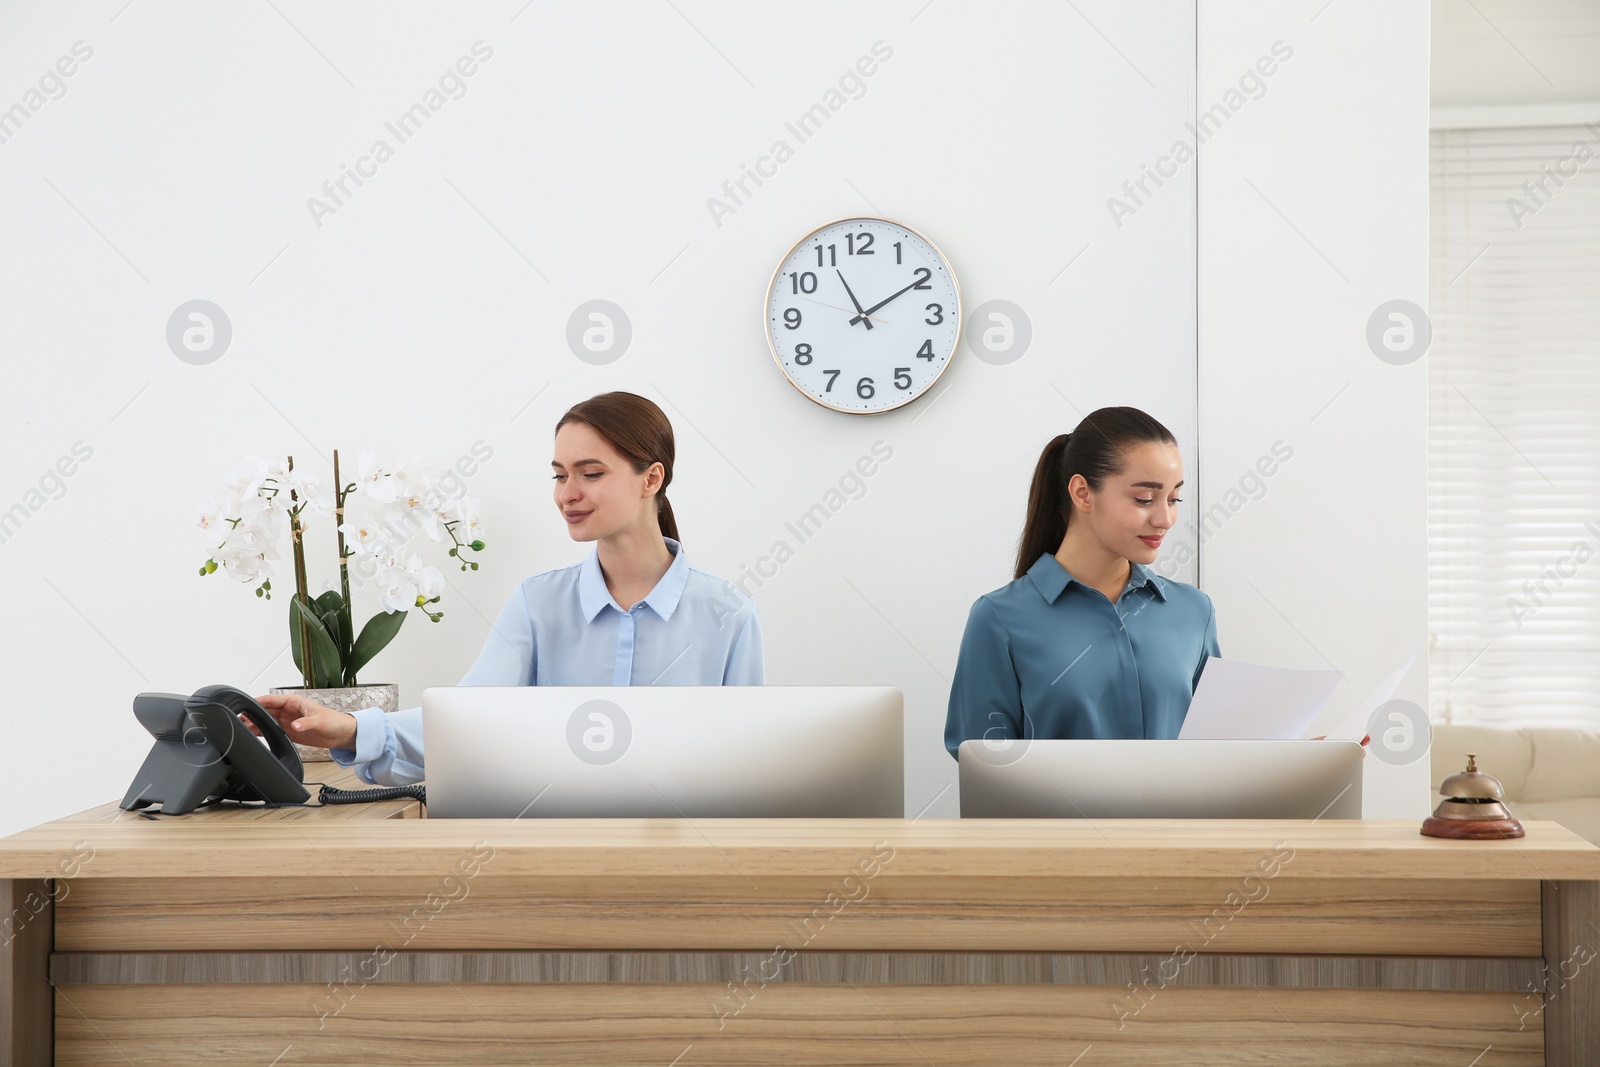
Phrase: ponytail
[669,525]
[1094,449]
[1046,524]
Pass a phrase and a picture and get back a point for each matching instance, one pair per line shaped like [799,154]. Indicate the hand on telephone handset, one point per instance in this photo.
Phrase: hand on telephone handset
[307,722]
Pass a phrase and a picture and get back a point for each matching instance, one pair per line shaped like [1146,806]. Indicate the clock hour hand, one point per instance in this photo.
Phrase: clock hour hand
[884,301]
[861,316]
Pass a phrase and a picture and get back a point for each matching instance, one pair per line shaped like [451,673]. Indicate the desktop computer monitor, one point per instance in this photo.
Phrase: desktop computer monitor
[1147,779]
[664,752]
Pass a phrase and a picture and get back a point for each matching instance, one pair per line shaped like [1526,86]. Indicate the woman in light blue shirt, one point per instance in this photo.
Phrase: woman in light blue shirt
[633,613]
[1087,642]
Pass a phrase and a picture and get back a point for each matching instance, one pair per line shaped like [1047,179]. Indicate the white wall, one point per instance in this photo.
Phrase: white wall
[428,312]
[1314,211]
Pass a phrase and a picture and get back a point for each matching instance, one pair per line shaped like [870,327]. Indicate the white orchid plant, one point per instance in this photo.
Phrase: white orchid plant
[261,497]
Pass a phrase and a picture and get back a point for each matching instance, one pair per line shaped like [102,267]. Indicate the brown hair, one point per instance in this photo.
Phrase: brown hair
[640,433]
[1095,450]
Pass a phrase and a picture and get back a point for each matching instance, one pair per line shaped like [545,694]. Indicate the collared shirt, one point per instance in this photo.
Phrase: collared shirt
[1050,657]
[563,627]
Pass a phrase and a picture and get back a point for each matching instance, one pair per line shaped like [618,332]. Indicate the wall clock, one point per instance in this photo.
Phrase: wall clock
[863,315]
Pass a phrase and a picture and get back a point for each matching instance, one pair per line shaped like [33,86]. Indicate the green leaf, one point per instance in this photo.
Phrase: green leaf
[375,635]
[320,608]
[324,653]
[294,638]
[331,607]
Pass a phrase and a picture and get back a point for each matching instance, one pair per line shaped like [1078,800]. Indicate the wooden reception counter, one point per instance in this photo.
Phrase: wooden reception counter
[364,934]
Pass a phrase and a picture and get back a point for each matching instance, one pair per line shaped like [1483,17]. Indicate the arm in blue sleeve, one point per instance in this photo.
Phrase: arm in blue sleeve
[985,696]
[747,656]
[1209,645]
[389,747]
[508,656]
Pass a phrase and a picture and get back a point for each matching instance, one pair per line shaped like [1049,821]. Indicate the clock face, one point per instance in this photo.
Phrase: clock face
[863,315]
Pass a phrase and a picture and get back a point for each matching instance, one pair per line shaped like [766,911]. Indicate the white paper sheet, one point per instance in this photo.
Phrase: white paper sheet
[1359,724]
[1237,701]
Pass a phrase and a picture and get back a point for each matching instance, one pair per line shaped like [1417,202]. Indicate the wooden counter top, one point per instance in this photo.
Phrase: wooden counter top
[300,842]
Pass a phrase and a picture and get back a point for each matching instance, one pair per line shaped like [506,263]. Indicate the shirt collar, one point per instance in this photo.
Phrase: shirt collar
[593,595]
[1050,578]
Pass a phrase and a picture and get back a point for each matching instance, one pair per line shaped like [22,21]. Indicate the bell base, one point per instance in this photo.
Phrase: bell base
[1472,829]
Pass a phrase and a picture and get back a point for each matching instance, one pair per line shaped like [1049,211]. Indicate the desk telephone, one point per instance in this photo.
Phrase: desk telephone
[204,755]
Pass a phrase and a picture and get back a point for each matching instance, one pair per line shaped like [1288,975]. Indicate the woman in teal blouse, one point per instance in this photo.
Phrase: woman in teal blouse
[1088,642]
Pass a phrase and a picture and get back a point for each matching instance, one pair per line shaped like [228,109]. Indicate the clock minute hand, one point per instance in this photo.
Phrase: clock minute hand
[884,301]
[861,316]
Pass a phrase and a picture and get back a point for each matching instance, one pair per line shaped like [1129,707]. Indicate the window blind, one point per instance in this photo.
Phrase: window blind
[1514,425]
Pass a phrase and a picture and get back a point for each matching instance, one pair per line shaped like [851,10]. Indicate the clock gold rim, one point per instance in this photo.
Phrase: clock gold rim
[766,323]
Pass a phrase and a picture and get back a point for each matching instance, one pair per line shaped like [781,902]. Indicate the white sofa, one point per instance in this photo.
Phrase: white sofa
[1549,772]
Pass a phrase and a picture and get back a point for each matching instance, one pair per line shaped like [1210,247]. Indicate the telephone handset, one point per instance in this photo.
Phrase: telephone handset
[203,752]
